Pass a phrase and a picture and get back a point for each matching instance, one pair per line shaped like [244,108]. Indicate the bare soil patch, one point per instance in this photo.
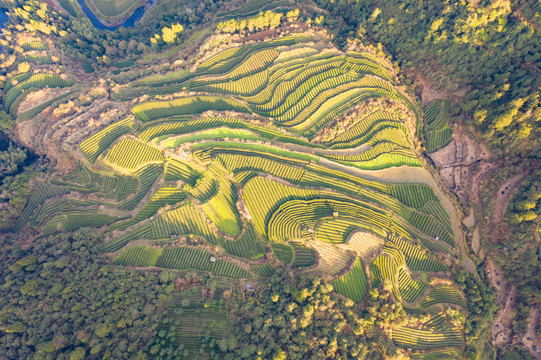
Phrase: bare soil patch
[37,97]
[531,339]
[429,92]
[506,298]
[476,241]
[469,221]
[462,164]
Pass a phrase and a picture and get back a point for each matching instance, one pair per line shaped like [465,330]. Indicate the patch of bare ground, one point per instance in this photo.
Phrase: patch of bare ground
[531,339]
[462,164]
[476,243]
[37,97]
[430,91]
[506,299]
[56,132]
[262,35]
[501,327]
[468,265]
[331,261]
[469,221]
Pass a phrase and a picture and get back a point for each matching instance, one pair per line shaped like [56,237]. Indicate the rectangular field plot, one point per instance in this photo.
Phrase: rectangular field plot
[283,252]
[443,294]
[354,284]
[131,154]
[181,258]
[92,147]
[191,318]
[410,289]
[304,256]
[248,246]
[425,339]
[199,259]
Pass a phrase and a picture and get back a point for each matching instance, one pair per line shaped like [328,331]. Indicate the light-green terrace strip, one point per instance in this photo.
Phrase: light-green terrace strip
[383,161]
[290,73]
[211,134]
[328,105]
[255,147]
[265,133]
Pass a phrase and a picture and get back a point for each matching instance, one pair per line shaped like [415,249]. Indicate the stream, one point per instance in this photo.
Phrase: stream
[130,22]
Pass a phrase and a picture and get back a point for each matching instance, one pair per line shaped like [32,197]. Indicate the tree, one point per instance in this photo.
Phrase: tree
[78,354]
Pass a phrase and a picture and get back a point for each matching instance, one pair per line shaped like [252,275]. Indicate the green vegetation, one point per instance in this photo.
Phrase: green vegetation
[304,256]
[131,154]
[257,135]
[251,8]
[65,276]
[38,81]
[139,256]
[410,289]
[28,114]
[180,258]
[415,258]
[298,307]
[283,252]
[425,339]
[452,48]
[443,294]
[264,270]
[353,285]
[192,105]
[246,246]
[192,323]
[437,132]
[92,147]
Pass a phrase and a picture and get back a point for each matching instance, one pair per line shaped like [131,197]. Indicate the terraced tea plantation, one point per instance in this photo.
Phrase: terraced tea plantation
[284,152]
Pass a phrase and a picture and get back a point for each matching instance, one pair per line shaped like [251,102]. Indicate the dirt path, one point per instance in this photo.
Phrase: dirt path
[531,340]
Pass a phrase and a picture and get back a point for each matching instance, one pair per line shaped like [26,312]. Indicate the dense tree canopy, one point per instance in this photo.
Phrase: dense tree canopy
[303,318]
[62,299]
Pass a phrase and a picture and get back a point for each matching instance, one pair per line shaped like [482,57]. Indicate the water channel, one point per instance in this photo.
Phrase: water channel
[130,22]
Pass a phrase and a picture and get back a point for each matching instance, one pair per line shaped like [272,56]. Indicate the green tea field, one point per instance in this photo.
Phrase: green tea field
[284,152]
